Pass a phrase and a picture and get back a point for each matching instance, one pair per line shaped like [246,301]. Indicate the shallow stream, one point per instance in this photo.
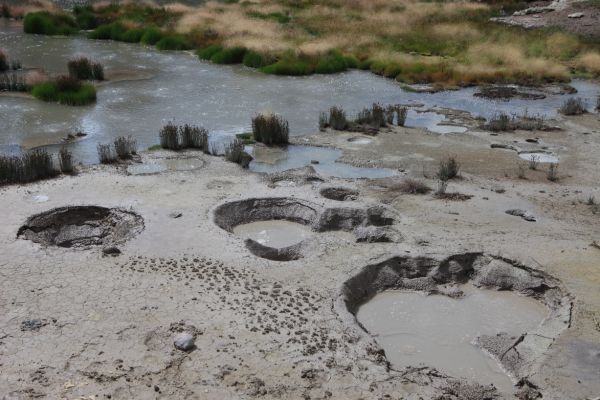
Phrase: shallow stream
[153,87]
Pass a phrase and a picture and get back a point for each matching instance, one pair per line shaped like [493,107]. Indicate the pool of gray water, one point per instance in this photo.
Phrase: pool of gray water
[276,233]
[417,329]
[322,159]
[176,86]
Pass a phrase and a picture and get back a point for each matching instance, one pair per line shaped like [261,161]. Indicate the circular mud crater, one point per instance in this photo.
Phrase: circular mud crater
[520,353]
[296,219]
[82,226]
[339,193]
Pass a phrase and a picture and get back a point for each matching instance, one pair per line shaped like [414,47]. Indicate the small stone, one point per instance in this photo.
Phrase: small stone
[314,161]
[526,215]
[576,15]
[175,215]
[184,341]
[111,251]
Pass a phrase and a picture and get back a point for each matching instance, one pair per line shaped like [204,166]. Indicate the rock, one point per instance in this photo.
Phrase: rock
[33,325]
[576,15]
[314,161]
[175,215]
[184,341]
[526,215]
[111,251]
[245,159]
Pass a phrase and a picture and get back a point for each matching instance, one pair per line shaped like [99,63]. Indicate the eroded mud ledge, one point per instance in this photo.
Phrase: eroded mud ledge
[520,356]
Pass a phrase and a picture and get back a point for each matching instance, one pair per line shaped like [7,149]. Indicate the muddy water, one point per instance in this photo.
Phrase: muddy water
[277,234]
[539,157]
[438,331]
[163,86]
[322,159]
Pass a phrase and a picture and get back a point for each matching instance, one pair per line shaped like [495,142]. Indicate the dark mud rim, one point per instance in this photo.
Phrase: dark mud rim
[43,228]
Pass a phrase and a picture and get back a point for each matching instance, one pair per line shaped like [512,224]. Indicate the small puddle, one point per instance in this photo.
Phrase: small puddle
[276,234]
[360,140]
[272,160]
[431,121]
[167,164]
[540,157]
[439,331]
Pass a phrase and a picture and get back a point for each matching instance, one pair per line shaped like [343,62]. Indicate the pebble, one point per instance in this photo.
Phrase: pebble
[184,341]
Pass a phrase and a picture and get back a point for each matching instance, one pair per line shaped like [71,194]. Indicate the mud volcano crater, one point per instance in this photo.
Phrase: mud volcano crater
[82,226]
[339,193]
[520,355]
[368,224]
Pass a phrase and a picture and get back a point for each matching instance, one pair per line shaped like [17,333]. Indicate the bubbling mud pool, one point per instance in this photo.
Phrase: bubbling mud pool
[439,331]
[276,234]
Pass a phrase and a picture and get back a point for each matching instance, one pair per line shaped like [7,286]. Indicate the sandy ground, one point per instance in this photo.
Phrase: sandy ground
[76,324]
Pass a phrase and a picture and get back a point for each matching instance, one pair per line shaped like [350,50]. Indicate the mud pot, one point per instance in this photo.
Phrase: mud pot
[417,329]
[82,226]
[473,301]
[276,234]
[260,221]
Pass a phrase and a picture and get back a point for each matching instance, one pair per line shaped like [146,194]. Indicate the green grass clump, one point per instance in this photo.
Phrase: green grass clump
[270,129]
[208,52]
[132,35]
[44,23]
[233,55]
[85,18]
[246,137]
[151,36]
[173,42]
[334,62]
[289,66]
[254,59]
[112,31]
[51,92]
[155,147]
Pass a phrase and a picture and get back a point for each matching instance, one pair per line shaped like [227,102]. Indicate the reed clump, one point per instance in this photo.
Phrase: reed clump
[573,106]
[106,155]
[13,83]
[234,152]
[270,129]
[65,90]
[83,68]
[125,147]
[173,137]
[65,161]
[448,169]
[32,166]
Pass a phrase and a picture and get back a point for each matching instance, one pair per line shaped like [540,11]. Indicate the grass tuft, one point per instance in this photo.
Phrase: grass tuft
[32,166]
[65,161]
[413,186]
[270,129]
[83,68]
[573,106]
[173,42]
[44,23]
[448,169]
